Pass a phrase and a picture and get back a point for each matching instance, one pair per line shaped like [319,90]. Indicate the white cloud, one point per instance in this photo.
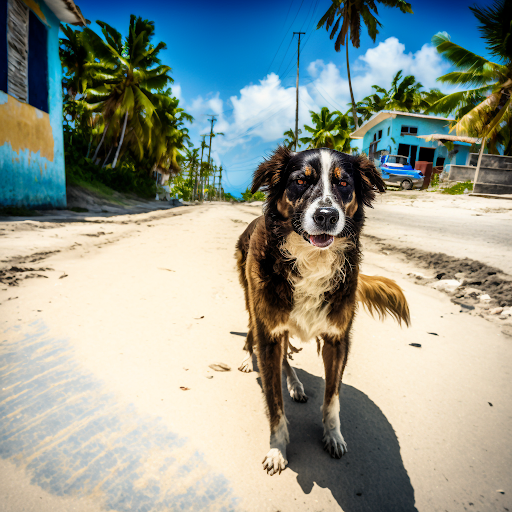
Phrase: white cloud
[379,65]
[176,91]
[329,89]
[265,110]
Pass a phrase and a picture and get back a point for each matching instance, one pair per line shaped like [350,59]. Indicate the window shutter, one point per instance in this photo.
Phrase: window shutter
[17,44]
[37,63]
[3,46]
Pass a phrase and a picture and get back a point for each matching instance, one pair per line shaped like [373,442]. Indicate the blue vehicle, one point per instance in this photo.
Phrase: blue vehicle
[397,171]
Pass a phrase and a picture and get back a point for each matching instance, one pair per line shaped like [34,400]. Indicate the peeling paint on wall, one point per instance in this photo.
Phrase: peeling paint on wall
[37,10]
[25,127]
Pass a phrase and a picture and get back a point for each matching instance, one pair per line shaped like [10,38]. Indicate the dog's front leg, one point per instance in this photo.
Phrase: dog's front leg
[334,354]
[271,349]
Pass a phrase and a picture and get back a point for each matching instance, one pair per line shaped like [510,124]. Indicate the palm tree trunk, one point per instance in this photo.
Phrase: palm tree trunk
[89,147]
[106,158]
[354,113]
[121,141]
[101,142]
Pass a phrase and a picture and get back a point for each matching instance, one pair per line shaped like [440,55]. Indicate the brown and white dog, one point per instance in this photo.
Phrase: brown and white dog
[299,267]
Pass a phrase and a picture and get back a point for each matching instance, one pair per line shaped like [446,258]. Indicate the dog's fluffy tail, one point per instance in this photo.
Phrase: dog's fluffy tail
[383,296]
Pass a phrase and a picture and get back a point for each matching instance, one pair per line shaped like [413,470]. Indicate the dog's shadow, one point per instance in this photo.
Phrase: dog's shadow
[371,475]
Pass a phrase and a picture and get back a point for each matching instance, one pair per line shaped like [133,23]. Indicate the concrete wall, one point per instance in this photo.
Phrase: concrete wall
[32,172]
[492,161]
[490,180]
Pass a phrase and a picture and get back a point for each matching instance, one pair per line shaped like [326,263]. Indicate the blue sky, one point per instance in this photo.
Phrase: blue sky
[238,60]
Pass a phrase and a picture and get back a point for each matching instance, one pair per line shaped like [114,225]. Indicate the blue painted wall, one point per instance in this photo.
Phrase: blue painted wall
[425,127]
[32,172]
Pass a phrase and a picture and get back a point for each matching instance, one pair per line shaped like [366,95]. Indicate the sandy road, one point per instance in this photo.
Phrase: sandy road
[107,401]
[461,226]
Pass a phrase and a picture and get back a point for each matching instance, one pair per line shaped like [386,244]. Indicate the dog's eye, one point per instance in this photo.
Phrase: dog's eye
[343,183]
[301,182]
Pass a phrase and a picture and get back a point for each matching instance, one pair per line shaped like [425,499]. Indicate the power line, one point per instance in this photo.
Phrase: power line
[286,31]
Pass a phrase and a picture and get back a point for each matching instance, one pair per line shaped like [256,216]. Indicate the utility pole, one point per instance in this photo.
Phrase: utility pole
[201,169]
[220,184]
[212,120]
[297,96]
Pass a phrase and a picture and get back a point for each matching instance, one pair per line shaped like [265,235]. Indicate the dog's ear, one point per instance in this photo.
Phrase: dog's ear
[269,172]
[368,180]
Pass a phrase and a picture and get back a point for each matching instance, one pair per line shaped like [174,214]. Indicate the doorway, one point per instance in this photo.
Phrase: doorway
[426,155]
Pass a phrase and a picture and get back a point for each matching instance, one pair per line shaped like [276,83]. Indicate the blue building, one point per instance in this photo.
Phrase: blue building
[417,136]
[32,170]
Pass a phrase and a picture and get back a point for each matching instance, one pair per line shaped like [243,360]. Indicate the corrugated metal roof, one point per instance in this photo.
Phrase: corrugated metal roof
[66,11]
[386,114]
[452,138]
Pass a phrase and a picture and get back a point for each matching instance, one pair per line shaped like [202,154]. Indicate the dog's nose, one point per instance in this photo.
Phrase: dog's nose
[326,218]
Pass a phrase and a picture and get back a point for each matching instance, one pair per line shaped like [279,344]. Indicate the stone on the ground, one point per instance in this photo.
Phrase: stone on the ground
[472,292]
[447,285]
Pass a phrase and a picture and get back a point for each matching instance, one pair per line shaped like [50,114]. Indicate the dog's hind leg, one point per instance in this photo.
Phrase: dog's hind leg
[247,363]
[334,354]
[271,349]
[294,385]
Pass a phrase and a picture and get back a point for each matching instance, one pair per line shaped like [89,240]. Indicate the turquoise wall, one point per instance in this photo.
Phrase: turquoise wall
[32,172]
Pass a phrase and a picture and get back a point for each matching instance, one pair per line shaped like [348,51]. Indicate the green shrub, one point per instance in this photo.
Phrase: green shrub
[128,177]
[459,188]
[248,196]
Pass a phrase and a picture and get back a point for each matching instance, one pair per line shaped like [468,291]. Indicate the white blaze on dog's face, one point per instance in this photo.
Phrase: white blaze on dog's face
[321,191]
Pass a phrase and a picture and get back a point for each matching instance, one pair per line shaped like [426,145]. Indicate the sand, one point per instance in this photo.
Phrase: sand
[109,400]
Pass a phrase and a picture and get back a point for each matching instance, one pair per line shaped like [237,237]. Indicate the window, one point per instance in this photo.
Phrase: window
[37,64]
[389,128]
[402,160]
[380,134]
[409,130]
[24,62]
[374,136]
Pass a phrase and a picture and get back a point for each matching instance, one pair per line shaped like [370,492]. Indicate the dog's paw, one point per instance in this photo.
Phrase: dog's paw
[274,462]
[246,365]
[335,444]
[296,390]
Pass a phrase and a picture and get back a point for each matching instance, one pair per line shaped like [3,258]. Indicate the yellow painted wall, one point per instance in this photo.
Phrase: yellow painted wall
[25,127]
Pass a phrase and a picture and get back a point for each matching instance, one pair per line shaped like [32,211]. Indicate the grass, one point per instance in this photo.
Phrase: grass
[459,188]
[78,209]
[96,187]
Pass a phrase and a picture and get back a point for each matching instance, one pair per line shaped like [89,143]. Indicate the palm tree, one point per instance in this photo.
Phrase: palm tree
[77,60]
[485,110]
[405,95]
[191,159]
[332,130]
[132,69]
[349,13]
[290,141]
[169,134]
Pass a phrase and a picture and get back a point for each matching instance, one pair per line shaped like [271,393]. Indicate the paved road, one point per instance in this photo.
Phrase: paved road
[447,225]
[108,402]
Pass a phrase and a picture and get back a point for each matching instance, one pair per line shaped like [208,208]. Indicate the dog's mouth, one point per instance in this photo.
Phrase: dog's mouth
[322,240]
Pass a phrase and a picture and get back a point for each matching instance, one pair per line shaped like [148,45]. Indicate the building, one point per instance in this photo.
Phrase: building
[32,172]
[417,136]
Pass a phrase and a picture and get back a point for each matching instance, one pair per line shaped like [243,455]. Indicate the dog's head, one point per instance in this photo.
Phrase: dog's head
[319,192]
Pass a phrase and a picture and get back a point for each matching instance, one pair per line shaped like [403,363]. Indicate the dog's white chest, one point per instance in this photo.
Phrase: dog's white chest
[317,271]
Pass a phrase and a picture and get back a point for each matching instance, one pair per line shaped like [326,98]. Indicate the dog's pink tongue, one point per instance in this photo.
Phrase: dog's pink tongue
[321,240]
